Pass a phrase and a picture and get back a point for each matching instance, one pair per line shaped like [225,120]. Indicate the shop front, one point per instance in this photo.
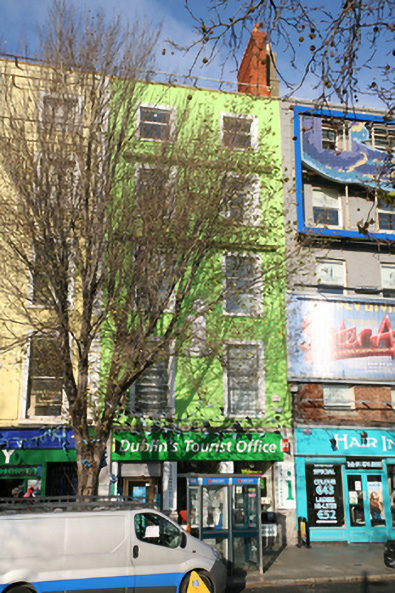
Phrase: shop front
[345,480]
[153,467]
[220,484]
[40,458]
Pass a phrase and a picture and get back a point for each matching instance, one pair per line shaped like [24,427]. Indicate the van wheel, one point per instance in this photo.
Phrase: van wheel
[20,589]
[204,576]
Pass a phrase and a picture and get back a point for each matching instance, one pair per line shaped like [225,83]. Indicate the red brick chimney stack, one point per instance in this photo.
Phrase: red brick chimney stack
[252,77]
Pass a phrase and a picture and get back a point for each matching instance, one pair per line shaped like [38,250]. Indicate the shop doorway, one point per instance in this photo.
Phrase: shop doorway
[144,491]
[366,495]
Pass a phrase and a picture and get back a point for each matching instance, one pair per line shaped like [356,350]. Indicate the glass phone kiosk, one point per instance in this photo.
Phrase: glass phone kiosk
[225,512]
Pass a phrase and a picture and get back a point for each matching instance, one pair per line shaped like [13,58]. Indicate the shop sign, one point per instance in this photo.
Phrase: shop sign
[284,484]
[224,446]
[19,472]
[364,464]
[340,339]
[340,442]
[324,495]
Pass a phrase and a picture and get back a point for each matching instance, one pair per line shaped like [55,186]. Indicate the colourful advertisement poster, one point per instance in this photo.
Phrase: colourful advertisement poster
[340,339]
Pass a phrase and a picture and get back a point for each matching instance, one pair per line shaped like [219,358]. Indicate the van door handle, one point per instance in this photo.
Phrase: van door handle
[135,551]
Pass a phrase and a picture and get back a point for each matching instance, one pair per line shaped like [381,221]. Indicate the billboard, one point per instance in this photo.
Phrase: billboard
[340,339]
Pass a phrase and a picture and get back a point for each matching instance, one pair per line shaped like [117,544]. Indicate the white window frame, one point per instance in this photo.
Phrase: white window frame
[59,125]
[170,389]
[251,210]
[340,264]
[338,397]
[253,130]
[326,193]
[261,411]
[24,396]
[172,120]
[256,286]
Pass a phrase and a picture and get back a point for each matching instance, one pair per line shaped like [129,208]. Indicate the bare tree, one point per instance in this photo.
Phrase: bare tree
[106,239]
[347,47]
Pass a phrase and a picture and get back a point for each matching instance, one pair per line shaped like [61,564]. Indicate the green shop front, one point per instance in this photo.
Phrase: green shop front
[40,458]
[180,472]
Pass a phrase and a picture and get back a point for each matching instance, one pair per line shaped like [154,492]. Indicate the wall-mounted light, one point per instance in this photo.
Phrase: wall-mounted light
[333,443]
[364,437]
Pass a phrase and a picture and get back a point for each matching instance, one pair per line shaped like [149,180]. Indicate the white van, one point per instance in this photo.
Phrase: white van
[120,551]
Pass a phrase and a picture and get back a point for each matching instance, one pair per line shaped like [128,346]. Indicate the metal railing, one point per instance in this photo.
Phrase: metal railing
[51,504]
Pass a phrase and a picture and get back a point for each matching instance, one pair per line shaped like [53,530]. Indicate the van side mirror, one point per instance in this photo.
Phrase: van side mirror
[183,539]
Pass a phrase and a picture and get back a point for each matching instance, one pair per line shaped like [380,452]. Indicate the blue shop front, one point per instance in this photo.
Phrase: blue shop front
[345,483]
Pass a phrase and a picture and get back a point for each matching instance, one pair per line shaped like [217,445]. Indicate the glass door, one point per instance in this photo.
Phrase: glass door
[366,516]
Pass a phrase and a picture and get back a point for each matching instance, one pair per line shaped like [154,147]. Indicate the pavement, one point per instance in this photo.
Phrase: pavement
[321,563]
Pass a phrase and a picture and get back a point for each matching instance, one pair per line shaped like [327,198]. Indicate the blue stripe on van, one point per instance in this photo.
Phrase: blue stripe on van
[168,583]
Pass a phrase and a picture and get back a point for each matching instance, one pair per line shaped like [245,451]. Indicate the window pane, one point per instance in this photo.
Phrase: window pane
[242,200]
[388,276]
[243,378]
[236,132]
[338,396]
[328,138]
[242,285]
[330,274]
[45,378]
[151,390]
[154,123]
[326,206]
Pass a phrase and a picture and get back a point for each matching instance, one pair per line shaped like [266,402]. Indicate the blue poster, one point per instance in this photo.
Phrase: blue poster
[340,339]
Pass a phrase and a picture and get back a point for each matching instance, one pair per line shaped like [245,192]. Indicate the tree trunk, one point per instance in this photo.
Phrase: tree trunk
[90,454]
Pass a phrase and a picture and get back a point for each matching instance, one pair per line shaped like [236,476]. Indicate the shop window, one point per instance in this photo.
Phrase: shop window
[391,487]
[326,207]
[45,378]
[324,490]
[244,386]
[243,200]
[388,279]
[156,122]
[242,284]
[152,393]
[239,131]
[331,275]
[339,397]
[61,479]
[386,214]
[153,529]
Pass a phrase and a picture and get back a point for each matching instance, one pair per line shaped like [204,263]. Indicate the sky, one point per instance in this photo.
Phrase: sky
[21,17]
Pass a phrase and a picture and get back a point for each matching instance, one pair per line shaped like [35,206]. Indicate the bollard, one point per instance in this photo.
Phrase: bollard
[303,532]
